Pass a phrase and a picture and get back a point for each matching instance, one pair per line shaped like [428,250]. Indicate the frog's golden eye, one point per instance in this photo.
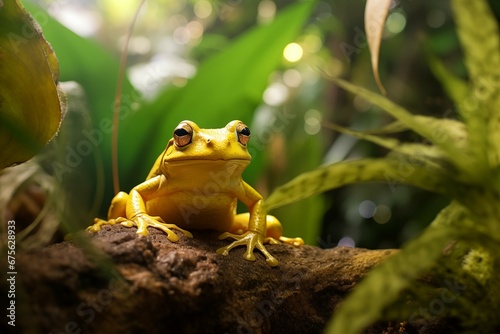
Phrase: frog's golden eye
[183,135]
[243,133]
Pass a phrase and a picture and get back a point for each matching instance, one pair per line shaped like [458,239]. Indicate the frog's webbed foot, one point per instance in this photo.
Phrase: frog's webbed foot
[285,240]
[142,221]
[98,223]
[252,240]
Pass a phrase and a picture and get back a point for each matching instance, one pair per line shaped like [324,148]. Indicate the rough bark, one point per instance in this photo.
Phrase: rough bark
[186,287]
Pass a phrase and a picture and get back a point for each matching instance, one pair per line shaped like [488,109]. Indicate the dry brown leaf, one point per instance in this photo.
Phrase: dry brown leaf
[375,15]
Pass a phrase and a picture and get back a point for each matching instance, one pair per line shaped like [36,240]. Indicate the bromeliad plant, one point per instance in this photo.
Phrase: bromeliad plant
[459,158]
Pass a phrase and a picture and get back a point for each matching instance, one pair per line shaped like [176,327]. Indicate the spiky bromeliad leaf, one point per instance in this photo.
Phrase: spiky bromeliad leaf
[391,128]
[447,134]
[427,153]
[479,35]
[383,286]
[390,170]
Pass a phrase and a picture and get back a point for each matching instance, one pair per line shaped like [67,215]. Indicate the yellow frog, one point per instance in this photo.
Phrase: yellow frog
[195,184]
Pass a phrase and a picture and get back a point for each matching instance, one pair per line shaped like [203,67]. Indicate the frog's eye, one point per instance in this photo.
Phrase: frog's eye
[243,133]
[183,135]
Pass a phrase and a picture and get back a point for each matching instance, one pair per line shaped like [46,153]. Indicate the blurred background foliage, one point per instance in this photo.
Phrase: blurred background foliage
[238,52]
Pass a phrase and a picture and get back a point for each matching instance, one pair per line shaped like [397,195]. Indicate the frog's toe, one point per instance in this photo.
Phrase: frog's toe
[94,228]
[126,223]
[159,223]
[270,260]
[226,235]
[98,222]
[292,241]
[272,241]
[225,250]
[252,240]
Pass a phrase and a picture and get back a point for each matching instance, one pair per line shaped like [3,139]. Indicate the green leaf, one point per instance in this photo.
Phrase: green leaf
[479,35]
[96,69]
[391,128]
[448,134]
[391,170]
[227,86]
[478,31]
[494,132]
[426,153]
[30,107]
[383,285]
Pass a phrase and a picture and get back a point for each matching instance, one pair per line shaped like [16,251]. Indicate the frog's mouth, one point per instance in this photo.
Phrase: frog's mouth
[208,159]
[207,163]
[195,167]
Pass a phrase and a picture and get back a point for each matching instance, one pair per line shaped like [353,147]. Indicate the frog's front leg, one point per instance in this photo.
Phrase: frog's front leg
[274,230]
[136,213]
[255,236]
[116,212]
[136,209]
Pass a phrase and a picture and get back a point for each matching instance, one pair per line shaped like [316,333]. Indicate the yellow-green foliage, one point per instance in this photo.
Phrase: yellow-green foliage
[462,162]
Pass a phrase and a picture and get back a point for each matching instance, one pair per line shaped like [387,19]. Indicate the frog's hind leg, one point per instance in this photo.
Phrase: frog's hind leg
[118,206]
[116,213]
[274,230]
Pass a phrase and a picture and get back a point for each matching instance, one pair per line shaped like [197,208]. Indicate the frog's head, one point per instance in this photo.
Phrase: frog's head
[192,143]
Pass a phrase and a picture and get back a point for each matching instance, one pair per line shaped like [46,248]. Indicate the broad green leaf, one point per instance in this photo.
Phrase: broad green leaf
[30,106]
[227,86]
[375,15]
[391,170]
[96,69]
[384,284]
[447,134]
[479,35]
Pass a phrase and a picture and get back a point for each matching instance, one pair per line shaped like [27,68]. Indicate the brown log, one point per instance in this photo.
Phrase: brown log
[157,286]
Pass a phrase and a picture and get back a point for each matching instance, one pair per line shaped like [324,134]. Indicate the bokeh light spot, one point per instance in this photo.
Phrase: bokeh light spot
[396,22]
[293,52]
[367,209]
[347,242]
[292,78]
[361,104]
[195,29]
[275,95]
[382,214]
[312,121]
[267,10]
[313,43]
[81,20]
[436,18]
[202,9]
